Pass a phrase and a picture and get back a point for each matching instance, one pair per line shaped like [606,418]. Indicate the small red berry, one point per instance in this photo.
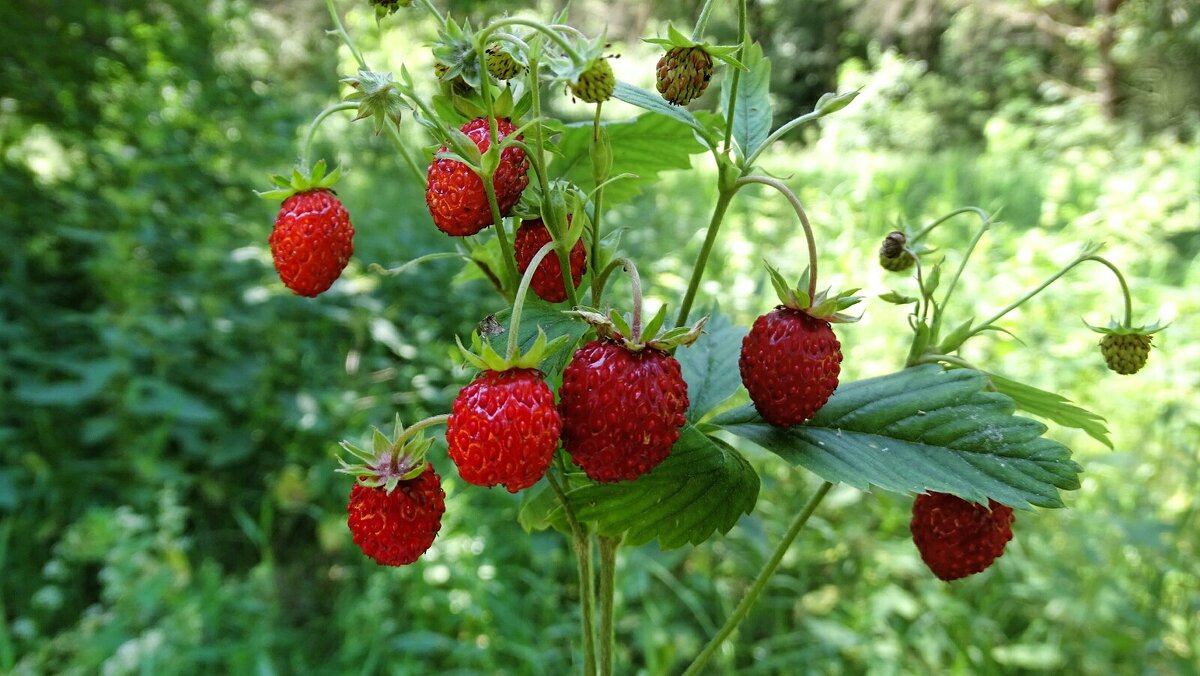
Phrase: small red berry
[504,429]
[396,528]
[621,409]
[312,241]
[790,363]
[547,280]
[455,194]
[957,538]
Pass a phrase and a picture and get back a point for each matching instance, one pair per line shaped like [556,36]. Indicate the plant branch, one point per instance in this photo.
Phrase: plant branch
[514,325]
[760,582]
[702,21]
[776,135]
[341,31]
[714,225]
[598,207]
[737,75]
[808,231]
[583,554]
[608,576]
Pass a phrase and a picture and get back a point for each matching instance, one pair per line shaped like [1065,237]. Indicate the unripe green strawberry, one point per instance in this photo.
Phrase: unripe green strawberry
[596,84]
[622,409]
[385,7]
[683,74]
[1125,353]
[312,241]
[501,64]
[504,429]
[957,538]
[893,256]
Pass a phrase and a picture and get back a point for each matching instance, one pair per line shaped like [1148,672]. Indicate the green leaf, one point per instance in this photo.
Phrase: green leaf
[647,100]
[537,313]
[644,147]
[540,509]
[922,429]
[704,486]
[1054,407]
[710,366]
[752,114]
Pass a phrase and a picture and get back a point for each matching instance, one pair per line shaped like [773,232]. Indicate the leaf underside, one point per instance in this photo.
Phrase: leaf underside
[922,429]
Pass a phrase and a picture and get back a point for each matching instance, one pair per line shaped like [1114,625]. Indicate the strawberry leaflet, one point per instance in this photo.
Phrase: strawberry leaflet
[922,429]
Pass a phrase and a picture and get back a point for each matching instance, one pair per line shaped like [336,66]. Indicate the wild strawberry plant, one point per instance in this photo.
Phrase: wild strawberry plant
[616,426]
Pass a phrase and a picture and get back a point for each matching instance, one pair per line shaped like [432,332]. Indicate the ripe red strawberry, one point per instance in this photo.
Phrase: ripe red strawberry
[957,538]
[790,363]
[312,241]
[621,409]
[504,429]
[395,528]
[455,194]
[547,279]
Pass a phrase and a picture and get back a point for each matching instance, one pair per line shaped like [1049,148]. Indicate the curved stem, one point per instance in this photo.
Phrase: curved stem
[984,225]
[776,135]
[409,161]
[714,226]
[341,31]
[608,578]
[760,582]
[702,21]
[557,39]
[598,210]
[583,555]
[506,251]
[808,231]
[1124,286]
[983,216]
[420,425]
[433,10]
[306,146]
[635,281]
[608,270]
[514,325]
[737,75]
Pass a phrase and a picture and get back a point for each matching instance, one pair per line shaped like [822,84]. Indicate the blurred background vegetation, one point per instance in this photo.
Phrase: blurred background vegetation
[169,412]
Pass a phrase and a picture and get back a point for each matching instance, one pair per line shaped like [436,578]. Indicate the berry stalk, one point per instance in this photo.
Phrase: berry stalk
[583,555]
[598,202]
[514,325]
[340,29]
[608,575]
[557,39]
[714,225]
[808,231]
[737,76]
[702,21]
[760,582]
[306,146]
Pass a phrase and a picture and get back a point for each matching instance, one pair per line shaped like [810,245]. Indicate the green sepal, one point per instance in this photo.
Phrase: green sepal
[956,337]
[825,305]
[484,357]
[932,281]
[830,103]
[302,180]
[1116,328]
[619,322]
[655,324]
[897,298]
[390,460]
[676,39]
[378,97]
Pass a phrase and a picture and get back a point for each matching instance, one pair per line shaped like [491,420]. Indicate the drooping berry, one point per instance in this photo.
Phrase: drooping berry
[957,538]
[790,363]
[504,429]
[547,280]
[596,84]
[312,241]
[622,409]
[683,73]
[395,528]
[455,194]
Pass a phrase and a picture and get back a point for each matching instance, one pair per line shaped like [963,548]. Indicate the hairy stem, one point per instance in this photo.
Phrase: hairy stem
[1124,286]
[608,577]
[737,75]
[808,231]
[306,146]
[514,325]
[1050,280]
[598,203]
[635,281]
[341,31]
[557,39]
[714,226]
[409,161]
[702,21]
[583,555]
[434,11]
[412,429]
[760,582]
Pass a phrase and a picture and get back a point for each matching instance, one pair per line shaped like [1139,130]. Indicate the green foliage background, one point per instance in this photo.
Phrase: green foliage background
[169,412]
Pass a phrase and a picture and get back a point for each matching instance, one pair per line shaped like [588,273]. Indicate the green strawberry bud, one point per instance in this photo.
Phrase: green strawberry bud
[892,254]
[1125,353]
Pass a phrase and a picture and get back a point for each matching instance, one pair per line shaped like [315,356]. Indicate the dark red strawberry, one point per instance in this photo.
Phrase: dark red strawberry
[504,429]
[547,280]
[790,364]
[455,194]
[395,528]
[957,538]
[621,409]
[312,241]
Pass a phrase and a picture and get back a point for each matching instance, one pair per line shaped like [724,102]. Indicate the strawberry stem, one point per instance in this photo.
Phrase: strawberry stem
[760,582]
[1124,286]
[808,231]
[743,38]
[702,21]
[486,33]
[433,10]
[608,575]
[724,197]
[598,204]
[635,281]
[341,31]
[583,556]
[306,146]
[514,324]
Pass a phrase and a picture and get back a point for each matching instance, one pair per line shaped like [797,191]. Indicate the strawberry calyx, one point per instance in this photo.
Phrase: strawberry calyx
[483,356]
[676,39]
[390,460]
[1115,328]
[378,97]
[613,326]
[302,180]
[824,305]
